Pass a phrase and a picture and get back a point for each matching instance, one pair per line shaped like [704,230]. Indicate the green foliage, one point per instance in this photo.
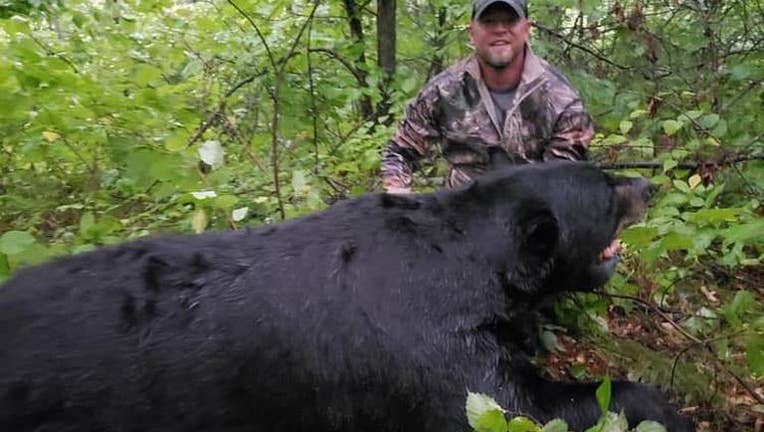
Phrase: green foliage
[485,415]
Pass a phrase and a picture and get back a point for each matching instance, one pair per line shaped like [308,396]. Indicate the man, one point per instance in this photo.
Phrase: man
[501,104]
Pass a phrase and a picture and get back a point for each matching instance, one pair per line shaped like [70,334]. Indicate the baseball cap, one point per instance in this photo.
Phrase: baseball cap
[479,6]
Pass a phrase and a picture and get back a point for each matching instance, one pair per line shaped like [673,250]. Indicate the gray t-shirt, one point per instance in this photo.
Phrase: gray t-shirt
[502,99]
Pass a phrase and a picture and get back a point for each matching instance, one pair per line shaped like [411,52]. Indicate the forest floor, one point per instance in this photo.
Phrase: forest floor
[723,402]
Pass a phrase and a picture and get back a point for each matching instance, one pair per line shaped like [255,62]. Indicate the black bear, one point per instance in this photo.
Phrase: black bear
[378,314]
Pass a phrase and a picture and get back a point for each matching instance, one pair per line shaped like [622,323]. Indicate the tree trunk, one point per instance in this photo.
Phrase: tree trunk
[386,35]
[356,32]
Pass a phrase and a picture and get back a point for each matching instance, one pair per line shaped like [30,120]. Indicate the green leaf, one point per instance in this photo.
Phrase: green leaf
[211,153]
[239,214]
[753,231]
[682,186]
[225,202]
[477,404]
[670,127]
[754,354]
[639,236]
[743,302]
[694,181]
[144,74]
[202,195]
[677,241]
[712,216]
[492,421]
[555,425]
[16,242]
[87,223]
[522,424]
[650,426]
[199,221]
[299,182]
[669,164]
[637,114]
[616,423]
[625,126]
[603,394]
[709,121]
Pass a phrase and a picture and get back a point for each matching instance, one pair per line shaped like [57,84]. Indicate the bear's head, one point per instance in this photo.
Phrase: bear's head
[549,223]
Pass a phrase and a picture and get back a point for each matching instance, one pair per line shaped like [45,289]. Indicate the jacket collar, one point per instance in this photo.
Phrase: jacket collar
[532,76]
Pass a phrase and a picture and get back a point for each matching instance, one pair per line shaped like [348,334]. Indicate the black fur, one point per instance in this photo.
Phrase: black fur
[375,315]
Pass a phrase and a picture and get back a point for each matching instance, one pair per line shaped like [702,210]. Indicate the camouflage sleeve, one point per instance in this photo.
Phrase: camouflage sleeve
[572,133]
[411,141]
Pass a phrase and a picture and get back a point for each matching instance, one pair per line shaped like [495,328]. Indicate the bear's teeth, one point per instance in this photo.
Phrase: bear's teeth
[610,251]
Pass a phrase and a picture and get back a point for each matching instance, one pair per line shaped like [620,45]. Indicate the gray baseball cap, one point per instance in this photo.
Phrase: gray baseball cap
[479,6]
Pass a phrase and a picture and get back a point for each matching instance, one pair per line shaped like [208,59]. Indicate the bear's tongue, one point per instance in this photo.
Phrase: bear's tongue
[610,251]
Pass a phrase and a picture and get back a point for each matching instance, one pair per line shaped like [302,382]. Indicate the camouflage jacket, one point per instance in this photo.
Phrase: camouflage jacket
[456,114]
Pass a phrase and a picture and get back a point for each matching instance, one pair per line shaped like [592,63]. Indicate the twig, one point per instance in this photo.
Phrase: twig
[581,47]
[215,116]
[50,52]
[702,343]
[349,66]
[257,30]
[724,161]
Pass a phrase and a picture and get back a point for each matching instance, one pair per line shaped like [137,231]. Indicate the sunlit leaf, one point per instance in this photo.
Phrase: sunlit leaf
[477,404]
[669,164]
[694,181]
[671,127]
[15,242]
[299,182]
[555,425]
[239,214]
[603,394]
[199,221]
[50,136]
[492,421]
[211,153]
[625,126]
[522,424]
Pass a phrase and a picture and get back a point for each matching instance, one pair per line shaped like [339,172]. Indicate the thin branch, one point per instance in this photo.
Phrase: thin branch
[744,92]
[581,47]
[724,161]
[702,343]
[309,20]
[77,154]
[50,52]
[349,66]
[257,30]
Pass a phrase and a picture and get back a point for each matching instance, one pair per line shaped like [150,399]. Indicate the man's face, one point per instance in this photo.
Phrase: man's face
[499,36]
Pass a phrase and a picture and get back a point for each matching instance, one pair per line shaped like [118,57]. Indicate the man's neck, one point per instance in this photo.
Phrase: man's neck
[506,78]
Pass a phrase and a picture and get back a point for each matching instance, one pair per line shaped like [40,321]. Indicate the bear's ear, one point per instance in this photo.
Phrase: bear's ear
[539,234]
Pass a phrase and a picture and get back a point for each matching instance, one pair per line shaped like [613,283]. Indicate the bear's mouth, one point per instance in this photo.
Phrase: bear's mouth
[610,251]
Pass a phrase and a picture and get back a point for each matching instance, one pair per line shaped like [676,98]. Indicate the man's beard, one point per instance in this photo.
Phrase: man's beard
[499,62]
